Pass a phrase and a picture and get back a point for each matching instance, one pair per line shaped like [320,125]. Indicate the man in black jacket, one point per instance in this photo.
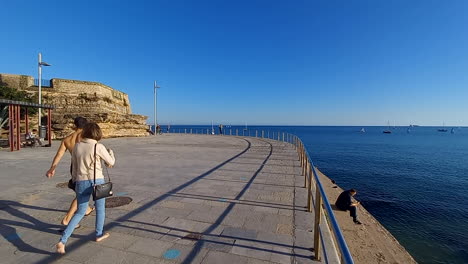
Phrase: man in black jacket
[345,203]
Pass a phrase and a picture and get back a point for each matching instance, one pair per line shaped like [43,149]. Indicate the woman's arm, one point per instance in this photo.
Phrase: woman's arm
[107,156]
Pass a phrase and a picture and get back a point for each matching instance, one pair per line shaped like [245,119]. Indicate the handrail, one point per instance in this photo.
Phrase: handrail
[346,255]
[307,169]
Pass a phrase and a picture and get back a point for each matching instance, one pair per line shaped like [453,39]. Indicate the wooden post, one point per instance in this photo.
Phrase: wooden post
[318,215]
[18,128]
[27,120]
[49,127]
[10,126]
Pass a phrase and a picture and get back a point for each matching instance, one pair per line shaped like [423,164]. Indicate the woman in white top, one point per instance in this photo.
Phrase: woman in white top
[83,174]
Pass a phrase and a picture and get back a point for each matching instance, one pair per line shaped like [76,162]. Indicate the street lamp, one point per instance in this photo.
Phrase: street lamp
[40,64]
[155,94]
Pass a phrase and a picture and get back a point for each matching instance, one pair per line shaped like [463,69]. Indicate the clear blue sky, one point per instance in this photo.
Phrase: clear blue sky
[261,62]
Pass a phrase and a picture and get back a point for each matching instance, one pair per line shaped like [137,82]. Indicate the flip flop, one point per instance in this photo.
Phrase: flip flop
[92,210]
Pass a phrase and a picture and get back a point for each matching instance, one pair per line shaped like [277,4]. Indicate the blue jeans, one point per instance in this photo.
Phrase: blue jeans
[84,190]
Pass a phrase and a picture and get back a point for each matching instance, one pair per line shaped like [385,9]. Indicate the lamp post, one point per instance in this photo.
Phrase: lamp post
[40,64]
[155,97]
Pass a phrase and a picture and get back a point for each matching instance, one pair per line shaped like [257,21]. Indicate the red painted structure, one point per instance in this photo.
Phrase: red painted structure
[14,110]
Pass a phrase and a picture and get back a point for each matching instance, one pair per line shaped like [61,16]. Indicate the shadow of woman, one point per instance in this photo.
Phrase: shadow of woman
[10,233]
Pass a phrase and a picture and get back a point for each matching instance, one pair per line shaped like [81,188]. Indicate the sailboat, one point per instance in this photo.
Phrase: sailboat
[453,130]
[387,131]
[245,127]
[362,130]
[443,129]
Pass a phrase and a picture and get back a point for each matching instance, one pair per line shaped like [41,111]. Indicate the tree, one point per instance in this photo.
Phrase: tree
[15,95]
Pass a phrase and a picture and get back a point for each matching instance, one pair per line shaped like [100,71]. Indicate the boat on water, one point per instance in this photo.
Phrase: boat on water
[443,129]
[362,130]
[212,128]
[387,131]
[453,130]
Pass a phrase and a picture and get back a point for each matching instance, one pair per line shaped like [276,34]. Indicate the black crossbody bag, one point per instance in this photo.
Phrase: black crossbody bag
[101,190]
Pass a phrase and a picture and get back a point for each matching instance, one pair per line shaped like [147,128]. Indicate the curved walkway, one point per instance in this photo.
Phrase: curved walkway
[196,199]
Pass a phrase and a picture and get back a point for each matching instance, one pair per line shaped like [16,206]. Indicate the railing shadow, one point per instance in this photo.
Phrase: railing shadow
[199,244]
[246,202]
[210,238]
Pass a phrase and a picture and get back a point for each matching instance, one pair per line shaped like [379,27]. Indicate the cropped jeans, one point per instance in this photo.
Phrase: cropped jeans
[84,190]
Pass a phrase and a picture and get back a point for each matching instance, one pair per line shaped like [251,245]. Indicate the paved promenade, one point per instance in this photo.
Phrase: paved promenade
[196,199]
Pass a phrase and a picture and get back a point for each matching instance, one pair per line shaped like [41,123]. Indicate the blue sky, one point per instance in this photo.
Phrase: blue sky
[256,62]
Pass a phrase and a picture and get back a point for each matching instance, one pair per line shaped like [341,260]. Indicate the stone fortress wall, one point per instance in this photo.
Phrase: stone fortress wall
[95,101]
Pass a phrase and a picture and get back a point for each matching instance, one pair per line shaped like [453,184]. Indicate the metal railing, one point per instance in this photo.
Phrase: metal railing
[310,178]
[44,82]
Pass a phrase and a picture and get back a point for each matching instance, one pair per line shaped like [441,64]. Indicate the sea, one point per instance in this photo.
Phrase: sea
[414,181]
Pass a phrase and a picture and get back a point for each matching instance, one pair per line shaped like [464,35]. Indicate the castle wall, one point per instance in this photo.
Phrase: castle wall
[96,101]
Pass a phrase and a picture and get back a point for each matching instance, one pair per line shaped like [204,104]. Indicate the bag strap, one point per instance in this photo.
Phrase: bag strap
[95,161]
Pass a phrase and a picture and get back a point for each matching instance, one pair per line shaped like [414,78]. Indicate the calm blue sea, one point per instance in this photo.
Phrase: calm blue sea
[414,182]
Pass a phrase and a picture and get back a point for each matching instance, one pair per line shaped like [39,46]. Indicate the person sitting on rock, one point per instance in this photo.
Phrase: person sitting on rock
[345,203]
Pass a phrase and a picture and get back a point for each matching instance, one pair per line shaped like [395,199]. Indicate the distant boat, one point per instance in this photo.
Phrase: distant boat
[362,130]
[408,130]
[453,130]
[443,129]
[245,126]
[212,128]
[388,131]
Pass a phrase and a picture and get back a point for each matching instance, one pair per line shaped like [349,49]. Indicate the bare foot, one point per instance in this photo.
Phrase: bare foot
[89,211]
[101,238]
[60,248]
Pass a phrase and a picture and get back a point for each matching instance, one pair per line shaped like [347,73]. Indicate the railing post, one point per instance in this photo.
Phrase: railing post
[18,128]
[263,134]
[190,131]
[10,126]
[256,133]
[318,215]
[309,190]
[185,131]
[237,132]
[230,131]
[283,136]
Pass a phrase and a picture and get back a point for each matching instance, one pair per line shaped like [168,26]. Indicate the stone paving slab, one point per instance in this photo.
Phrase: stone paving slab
[196,199]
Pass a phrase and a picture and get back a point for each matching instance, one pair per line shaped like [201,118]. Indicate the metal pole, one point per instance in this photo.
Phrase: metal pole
[155,101]
[40,93]
[318,212]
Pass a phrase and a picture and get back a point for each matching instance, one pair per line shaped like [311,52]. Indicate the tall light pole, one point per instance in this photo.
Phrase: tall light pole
[40,64]
[155,97]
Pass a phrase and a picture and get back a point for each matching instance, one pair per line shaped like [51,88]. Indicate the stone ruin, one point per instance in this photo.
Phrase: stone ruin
[94,101]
